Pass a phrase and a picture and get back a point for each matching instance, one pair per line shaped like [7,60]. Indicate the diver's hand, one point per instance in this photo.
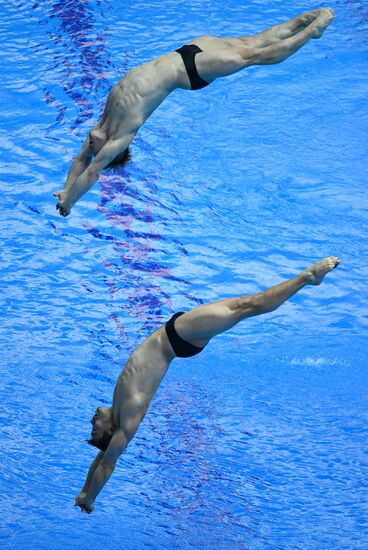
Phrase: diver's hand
[85,504]
[63,205]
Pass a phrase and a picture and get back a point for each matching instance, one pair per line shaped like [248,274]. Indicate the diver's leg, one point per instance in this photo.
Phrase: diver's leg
[260,40]
[201,324]
[282,31]
[214,64]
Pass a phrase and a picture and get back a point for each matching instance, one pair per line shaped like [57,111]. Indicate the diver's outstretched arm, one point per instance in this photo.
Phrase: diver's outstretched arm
[75,188]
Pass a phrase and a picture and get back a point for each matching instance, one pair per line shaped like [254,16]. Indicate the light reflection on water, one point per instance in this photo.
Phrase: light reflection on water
[259,441]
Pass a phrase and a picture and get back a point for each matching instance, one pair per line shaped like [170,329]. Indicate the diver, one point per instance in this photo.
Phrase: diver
[184,335]
[193,66]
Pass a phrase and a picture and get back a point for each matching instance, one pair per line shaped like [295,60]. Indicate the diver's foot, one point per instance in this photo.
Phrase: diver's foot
[303,21]
[307,17]
[317,271]
[322,21]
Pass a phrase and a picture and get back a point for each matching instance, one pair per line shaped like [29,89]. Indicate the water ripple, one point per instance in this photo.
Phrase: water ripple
[259,442]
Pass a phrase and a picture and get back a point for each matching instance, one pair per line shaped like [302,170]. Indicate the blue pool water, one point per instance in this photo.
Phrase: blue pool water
[260,442]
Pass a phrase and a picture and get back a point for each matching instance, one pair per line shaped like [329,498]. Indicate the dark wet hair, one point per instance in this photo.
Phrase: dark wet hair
[120,160]
[101,443]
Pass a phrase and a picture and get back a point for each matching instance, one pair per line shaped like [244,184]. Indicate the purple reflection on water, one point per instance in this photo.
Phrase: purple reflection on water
[81,58]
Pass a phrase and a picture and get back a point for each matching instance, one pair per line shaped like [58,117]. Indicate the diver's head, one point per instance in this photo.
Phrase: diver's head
[103,428]
[120,160]
[97,140]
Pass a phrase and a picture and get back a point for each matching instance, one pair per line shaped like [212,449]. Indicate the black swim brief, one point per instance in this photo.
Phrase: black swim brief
[188,53]
[181,347]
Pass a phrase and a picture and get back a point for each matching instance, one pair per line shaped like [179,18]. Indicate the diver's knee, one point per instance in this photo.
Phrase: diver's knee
[251,305]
